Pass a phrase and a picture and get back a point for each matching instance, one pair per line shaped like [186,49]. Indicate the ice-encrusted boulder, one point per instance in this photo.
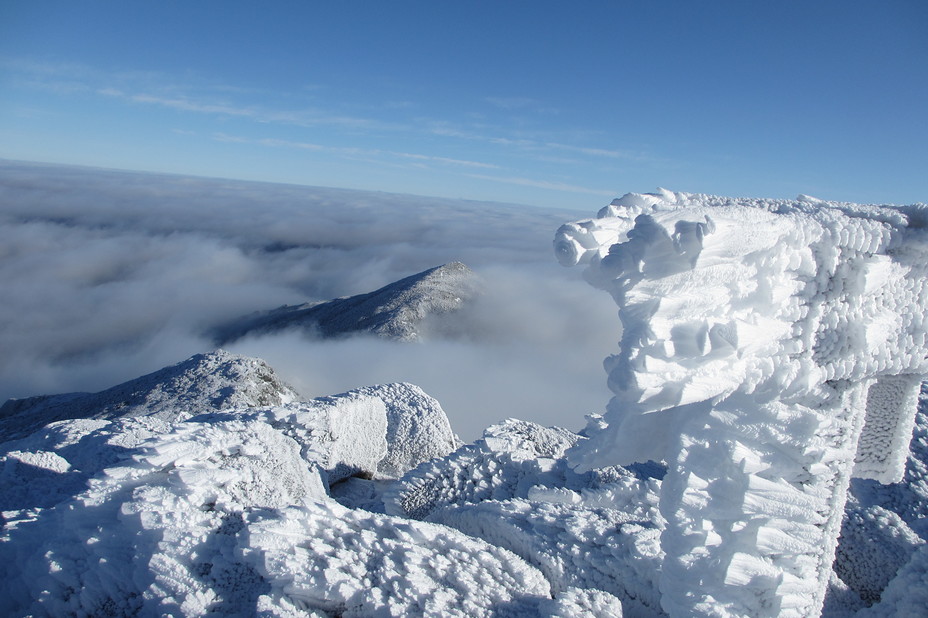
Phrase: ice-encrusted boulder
[417,428]
[395,311]
[343,434]
[770,350]
[214,381]
[379,431]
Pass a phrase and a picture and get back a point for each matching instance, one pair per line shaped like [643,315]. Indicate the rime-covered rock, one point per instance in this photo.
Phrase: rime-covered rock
[204,382]
[770,350]
[417,428]
[590,548]
[227,515]
[156,530]
[907,594]
[343,434]
[593,531]
[512,459]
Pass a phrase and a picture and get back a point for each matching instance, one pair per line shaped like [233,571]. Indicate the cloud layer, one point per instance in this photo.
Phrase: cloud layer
[109,275]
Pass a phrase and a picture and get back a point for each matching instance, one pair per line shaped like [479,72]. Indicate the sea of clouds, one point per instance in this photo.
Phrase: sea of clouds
[110,275]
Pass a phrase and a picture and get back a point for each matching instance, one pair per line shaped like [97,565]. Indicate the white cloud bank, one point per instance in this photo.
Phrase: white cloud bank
[109,275]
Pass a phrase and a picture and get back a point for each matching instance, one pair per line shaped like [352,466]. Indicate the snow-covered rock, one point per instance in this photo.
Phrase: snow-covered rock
[214,381]
[770,350]
[155,531]
[344,434]
[417,428]
[226,516]
[395,311]
[593,531]
[511,459]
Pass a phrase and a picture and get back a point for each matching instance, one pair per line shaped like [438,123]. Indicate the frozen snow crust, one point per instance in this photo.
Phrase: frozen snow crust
[770,350]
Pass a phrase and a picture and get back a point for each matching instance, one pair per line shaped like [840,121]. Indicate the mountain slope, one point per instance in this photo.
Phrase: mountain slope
[395,311]
[204,382]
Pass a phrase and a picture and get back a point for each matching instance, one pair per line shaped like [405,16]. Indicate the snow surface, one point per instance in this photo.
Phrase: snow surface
[770,350]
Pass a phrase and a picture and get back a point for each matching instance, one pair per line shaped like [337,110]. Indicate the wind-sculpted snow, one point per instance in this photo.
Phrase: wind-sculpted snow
[214,381]
[770,350]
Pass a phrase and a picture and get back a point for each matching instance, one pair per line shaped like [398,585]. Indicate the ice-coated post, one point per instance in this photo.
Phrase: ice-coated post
[770,350]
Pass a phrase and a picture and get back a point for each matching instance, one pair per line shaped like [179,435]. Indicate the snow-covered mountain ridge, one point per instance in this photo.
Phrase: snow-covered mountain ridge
[394,311]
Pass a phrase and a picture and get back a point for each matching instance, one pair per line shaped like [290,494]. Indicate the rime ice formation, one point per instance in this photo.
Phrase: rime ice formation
[395,311]
[417,428]
[512,488]
[769,351]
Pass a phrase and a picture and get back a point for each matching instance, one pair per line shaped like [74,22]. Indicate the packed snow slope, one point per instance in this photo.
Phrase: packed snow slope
[395,311]
[770,351]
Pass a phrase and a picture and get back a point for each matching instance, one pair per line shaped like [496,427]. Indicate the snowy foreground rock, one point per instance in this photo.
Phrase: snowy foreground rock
[231,511]
[770,351]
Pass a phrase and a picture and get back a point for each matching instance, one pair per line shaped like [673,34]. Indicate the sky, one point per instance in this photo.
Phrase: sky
[544,103]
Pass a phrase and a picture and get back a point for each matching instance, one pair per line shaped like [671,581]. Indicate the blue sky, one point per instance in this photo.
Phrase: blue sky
[548,103]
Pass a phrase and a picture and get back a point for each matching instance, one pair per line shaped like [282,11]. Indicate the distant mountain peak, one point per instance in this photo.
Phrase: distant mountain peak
[395,311]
